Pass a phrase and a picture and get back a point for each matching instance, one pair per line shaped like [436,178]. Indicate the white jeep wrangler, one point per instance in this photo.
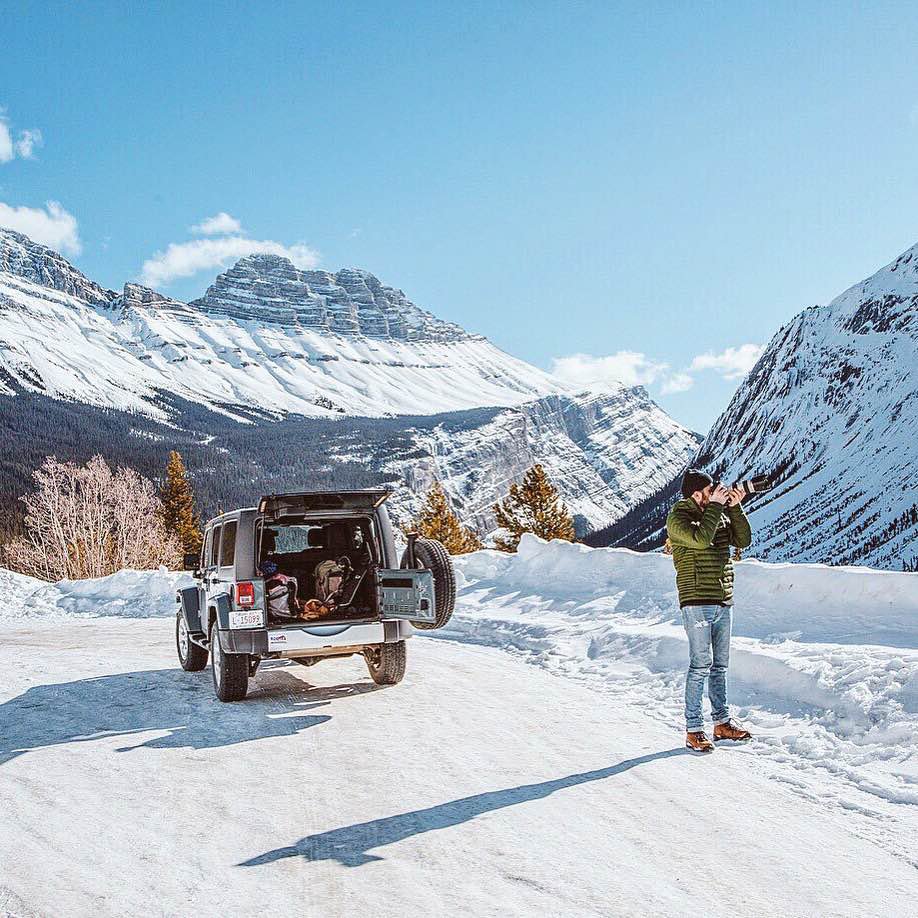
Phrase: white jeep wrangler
[263,588]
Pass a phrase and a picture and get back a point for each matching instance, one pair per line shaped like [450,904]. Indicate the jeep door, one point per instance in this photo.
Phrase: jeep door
[209,577]
[224,577]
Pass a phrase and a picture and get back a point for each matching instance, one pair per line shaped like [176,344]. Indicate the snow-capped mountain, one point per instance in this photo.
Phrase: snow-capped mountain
[265,335]
[269,341]
[832,408]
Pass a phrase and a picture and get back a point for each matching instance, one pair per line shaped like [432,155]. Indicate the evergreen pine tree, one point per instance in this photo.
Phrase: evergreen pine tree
[178,505]
[437,521]
[532,506]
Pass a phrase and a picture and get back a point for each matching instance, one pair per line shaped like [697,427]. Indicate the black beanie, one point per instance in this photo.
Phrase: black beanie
[695,480]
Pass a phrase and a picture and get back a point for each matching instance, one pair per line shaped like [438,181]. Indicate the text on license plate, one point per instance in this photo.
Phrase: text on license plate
[246,620]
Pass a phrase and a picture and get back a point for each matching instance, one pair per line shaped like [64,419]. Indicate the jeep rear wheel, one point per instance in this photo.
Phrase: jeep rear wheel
[430,554]
[230,670]
[386,662]
[192,656]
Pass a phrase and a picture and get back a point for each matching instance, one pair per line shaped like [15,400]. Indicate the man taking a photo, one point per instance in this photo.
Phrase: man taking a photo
[701,529]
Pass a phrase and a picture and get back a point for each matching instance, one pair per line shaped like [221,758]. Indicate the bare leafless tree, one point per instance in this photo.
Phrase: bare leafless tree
[88,521]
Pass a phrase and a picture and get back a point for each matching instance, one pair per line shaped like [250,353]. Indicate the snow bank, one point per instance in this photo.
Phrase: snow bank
[824,663]
[128,594]
[805,601]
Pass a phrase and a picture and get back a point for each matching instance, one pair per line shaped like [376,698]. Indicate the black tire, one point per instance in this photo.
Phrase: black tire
[387,662]
[230,670]
[192,656]
[430,554]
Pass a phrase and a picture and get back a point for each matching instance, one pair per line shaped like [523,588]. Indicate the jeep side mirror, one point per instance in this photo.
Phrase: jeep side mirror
[191,561]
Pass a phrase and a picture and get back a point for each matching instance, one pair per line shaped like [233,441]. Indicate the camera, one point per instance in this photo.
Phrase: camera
[755,485]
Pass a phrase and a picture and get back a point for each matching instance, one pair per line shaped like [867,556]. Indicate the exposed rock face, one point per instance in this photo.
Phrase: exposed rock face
[832,408]
[269,288]
[23,258]
[604,452]
[140,299]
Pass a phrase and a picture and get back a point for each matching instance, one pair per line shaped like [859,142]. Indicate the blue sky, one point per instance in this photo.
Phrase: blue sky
[647,191]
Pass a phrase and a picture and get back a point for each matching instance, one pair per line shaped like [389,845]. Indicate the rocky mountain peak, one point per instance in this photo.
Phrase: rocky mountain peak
[24,258]
[136,297]
[270,288]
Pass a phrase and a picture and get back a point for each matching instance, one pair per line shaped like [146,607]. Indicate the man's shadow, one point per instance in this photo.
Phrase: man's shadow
[350,845]
[183,704]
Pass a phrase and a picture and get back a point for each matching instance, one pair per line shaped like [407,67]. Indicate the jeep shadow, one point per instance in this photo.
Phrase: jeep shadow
[182,709]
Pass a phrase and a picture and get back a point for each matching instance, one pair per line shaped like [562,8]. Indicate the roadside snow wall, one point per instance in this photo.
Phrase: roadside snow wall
[806,601]
[129,594]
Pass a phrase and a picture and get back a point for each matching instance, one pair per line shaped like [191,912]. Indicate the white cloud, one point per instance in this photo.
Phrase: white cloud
[221,224]
[52,226]
[22,145]
[628,367]
[632,368]
[677,382]
[183,259]
[732,363]
[27,142]
[7,147]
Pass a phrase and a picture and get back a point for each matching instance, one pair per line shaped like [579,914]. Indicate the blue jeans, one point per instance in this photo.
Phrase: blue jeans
[708,630]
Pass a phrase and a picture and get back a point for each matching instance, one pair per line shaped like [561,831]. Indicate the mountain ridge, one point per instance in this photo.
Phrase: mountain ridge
[831,409]
[270,341]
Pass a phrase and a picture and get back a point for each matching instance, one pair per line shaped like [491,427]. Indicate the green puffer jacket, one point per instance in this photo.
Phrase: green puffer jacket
[701,541]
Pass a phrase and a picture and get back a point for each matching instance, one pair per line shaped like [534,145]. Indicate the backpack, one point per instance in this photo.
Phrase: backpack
[330,577]
[280,593]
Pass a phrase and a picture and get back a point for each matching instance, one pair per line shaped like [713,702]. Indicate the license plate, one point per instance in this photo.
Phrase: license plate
[246,620]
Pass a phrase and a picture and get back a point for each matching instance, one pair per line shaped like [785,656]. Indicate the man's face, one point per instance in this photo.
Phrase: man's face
[702,497]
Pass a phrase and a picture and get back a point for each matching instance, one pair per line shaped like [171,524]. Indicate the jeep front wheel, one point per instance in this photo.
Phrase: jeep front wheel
[192,656]
[386,662]
[230,670]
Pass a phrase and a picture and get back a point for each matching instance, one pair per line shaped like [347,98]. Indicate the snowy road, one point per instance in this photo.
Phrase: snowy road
[481,785]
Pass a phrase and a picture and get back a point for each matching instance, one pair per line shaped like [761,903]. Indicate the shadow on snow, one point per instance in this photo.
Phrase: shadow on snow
[182,704]
[350,845]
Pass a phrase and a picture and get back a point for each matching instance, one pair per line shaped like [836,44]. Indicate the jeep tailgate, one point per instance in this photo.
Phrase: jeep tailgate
[276,505]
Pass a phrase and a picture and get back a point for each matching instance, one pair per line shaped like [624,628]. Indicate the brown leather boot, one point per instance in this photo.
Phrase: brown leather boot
[698,742]
[731,731]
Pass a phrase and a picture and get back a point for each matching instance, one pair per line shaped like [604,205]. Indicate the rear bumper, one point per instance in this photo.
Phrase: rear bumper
[254,641]
[311,638]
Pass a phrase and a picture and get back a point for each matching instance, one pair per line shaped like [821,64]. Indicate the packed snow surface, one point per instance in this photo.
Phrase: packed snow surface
[824,661]
[530,763]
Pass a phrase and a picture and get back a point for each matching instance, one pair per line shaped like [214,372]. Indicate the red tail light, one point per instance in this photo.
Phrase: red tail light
[245,594]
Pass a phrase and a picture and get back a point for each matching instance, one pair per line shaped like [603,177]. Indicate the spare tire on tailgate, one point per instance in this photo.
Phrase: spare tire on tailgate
[430,554]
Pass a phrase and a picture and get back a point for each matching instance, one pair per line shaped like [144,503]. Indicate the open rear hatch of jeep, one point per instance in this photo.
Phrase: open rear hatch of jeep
[327,547]
[274,506]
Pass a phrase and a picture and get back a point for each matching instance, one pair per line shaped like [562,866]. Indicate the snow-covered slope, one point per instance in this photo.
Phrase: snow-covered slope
[833,406]
[265,335]
[125,594]
[603,450]
[270,340]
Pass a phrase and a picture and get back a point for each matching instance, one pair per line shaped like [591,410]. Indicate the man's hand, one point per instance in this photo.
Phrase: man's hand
[736,496]
[720,495]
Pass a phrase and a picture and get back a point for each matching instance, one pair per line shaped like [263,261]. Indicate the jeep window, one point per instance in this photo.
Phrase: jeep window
[214,546]
[228,544]
[352,537]
[205,548]
[289,539]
